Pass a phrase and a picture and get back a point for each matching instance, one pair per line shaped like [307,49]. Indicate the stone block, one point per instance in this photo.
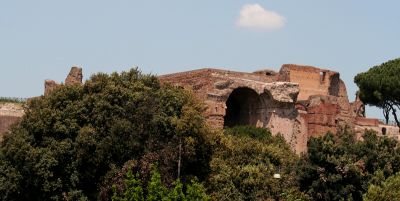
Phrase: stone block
[49,86]
[74,77]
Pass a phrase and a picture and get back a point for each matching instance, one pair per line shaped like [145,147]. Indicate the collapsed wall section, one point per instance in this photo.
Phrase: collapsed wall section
[75,76]
[321,115]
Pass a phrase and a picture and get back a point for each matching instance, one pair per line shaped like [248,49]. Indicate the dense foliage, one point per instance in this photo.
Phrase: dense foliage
[245,162]
[385,191]
[70,141]
[380,86]
[155,190]
[337,167]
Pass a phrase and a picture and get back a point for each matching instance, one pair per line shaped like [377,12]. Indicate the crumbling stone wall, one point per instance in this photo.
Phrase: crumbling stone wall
[312,80]
[74,77]
[49,86]
[322,115]
[298,102]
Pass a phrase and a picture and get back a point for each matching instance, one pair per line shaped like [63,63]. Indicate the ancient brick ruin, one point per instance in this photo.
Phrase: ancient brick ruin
[10,113]
[297,102]
[74,77]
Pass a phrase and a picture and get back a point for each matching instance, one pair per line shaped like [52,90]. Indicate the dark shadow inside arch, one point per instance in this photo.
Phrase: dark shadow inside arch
[243,108]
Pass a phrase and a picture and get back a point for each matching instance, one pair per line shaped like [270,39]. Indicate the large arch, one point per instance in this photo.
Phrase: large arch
[243,107]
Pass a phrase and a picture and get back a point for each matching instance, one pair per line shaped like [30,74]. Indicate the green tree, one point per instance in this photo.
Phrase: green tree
[70,141]
[387,191]
[156,190]
[133,189]
[336,167]
[195,191]
[245,162]
[176,194]
[380,87]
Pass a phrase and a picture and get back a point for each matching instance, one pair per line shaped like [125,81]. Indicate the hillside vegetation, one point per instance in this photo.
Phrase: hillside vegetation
[127,137]
[12,100]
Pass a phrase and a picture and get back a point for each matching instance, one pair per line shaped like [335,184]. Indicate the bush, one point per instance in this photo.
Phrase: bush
[337,167]
[245,162]
[387,190]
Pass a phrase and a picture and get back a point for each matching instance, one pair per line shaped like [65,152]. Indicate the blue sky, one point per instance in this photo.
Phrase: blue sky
[42,39]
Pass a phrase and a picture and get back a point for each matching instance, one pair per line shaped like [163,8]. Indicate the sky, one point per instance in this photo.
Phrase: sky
[42,39]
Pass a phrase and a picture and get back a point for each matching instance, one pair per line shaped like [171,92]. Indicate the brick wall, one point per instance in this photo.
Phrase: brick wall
[312,81]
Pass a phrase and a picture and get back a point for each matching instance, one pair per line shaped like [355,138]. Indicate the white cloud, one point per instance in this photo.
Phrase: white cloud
[256,17]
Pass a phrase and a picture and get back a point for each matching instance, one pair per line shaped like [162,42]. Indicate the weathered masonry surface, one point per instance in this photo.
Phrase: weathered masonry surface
[297,102]
[9,114]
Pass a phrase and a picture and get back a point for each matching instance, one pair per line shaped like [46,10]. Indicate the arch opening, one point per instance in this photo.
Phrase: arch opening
[243,107]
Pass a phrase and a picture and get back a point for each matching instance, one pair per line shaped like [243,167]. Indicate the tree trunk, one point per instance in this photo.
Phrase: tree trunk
[395,116]
[180,157]
[386,115]
[386,112]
